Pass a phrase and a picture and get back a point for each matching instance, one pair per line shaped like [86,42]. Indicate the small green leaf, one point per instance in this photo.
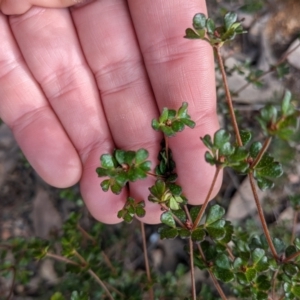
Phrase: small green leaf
[272,171]
[198,235]
[177,125]
[257,255]
[255,148]
[263,282]
[290,269]
[286,102]
[182,111]
[210,26]
[215,212]
[164,115]
[222,274]
[246,136]
[105,184]
[296,290]
[140,212]
[107,161]
[168,219]
[216,230]
[195,211]
[221,137]
[251,274]
[184,233]
[222,261]
[229,19]
[199,21]
[207,141]
[141,155]
[209,158]
[168,233]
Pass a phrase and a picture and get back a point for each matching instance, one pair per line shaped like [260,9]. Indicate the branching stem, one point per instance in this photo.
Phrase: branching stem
[272,69]
[12,268]
[228,96]
[147,266]
[204,205]
[291,257]
[261,216]
[194,295]
[212,276]
[261,152]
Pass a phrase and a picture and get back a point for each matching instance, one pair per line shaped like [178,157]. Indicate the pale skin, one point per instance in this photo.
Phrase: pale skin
[79,82]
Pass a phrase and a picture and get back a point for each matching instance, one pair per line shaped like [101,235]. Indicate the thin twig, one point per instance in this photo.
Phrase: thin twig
[272,69]
[232,257]
[90,271]
[261,152]
[274,283]
[62,259]
[151,292]
[295,220]
[204,205]
[291,257]
[108,262]
[211,274]
[12,268]
[86,234]
[261,216]
[193,282]
[101,283]
[228,96]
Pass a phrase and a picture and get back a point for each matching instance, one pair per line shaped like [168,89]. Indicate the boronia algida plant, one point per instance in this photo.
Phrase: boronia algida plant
[240,264]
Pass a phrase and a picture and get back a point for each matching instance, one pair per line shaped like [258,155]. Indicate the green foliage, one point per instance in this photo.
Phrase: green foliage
[223,153]
[123,167]
[205,29]
[282,122]
[171,121]
[132,209]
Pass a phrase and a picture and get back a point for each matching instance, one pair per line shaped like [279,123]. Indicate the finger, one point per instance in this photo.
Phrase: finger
[180,70]
[112,52]
[16,7]
[54,57]
[36,128]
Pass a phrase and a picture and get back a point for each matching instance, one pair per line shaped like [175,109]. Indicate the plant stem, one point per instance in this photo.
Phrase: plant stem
[101,283]
[204,205]
[272,69]
[261,152]
[108,262]
[193,282]
[261,216]
[211,274]
[12,268]
[86,234]
[62,259]
[291,257]
[228,96]
[90,271]
[151,292]
[295,218]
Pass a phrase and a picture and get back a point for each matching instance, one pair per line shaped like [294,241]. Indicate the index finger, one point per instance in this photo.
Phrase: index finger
[180,70]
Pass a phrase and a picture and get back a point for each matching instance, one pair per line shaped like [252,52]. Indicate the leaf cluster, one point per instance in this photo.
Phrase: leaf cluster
[171,121]
[280,122]
[132,209]
[205,29]
[123,167]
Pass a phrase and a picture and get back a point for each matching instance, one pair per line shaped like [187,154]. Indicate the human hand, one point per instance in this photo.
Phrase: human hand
[77,83]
